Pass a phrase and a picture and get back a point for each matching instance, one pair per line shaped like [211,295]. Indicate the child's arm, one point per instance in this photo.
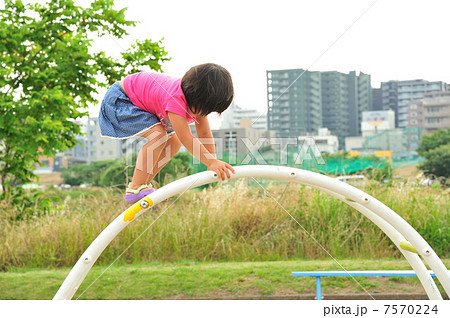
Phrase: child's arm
[181,127]
[204,132]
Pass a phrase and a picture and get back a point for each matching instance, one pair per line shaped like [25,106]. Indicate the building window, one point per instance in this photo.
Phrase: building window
[230,134]
[433,120]
[433,109]
[413,122]
[414,114]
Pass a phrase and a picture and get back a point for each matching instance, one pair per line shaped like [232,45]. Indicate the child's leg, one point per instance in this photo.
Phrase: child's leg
[171,148]
[154,155]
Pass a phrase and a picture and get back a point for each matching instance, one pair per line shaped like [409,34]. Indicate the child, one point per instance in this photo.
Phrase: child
[159,108]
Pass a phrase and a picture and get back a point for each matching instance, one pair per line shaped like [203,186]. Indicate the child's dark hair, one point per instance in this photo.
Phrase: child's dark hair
[207,88]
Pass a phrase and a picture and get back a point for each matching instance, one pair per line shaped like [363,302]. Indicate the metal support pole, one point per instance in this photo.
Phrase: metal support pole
[318,289]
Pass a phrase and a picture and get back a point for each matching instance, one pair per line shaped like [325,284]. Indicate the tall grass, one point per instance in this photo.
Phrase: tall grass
[234,221]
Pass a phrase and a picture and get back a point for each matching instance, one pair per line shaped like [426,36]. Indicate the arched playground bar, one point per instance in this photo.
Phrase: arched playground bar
[410,243]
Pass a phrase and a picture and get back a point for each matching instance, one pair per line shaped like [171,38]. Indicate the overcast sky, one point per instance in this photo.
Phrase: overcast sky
[394,39]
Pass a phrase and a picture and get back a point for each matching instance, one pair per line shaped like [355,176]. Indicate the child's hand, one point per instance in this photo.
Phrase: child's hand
[222,169]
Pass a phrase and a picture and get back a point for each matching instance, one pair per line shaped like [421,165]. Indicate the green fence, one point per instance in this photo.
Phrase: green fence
[336,164]
[406,162]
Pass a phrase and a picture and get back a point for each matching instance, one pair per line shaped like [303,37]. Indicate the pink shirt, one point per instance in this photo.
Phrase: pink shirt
[157,93]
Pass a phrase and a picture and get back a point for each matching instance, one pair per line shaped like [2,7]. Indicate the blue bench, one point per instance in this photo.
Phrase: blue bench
[320,274]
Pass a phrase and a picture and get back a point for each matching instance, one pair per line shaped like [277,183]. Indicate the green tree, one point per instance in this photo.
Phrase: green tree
[114,175]
[438,138]
[115,172]
[91,173]
[176,168]
[435,148]
[49,75]
[75,174]
[438,162]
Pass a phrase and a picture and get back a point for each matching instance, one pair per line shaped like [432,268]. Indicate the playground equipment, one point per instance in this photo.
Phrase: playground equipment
[318,275]
[410,243]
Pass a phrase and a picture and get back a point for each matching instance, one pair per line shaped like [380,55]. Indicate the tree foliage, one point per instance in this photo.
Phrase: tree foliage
[49,75]
[86,173]
[115,172]
[179,166]
[435,148]
[438,138]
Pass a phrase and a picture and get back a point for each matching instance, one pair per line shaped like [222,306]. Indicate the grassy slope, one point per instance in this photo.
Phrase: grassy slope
[215,280]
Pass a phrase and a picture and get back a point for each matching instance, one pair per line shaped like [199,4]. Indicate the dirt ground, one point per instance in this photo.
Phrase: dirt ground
[50,178]
[408,172]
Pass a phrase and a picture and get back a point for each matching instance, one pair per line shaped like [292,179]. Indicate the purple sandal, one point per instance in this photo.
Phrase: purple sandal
[136,195]
[132,195]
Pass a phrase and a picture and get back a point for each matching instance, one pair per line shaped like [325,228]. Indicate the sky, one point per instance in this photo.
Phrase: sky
[388,39]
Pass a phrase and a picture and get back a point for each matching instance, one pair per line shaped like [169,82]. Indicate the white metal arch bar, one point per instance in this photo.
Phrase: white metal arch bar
[413,259]
[399,225]
[389,222]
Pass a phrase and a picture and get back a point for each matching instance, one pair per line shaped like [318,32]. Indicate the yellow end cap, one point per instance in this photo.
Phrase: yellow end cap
[130,213]
[408,247]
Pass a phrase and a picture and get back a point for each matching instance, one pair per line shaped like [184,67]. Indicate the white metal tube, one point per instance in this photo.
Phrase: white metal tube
[90,256]
[348,191]
[413,259]
[84,264]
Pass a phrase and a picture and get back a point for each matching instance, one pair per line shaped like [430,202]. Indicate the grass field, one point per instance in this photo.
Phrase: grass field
[210,280]
[234,221]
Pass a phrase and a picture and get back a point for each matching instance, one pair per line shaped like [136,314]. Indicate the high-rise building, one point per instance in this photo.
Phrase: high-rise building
[294,102]
[397,94]
[336,102]
[377,101]
[344,98]
[364,99]
[389,97]
[301,102]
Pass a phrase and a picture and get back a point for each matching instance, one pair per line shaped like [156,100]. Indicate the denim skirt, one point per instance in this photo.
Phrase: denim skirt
[119,118]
